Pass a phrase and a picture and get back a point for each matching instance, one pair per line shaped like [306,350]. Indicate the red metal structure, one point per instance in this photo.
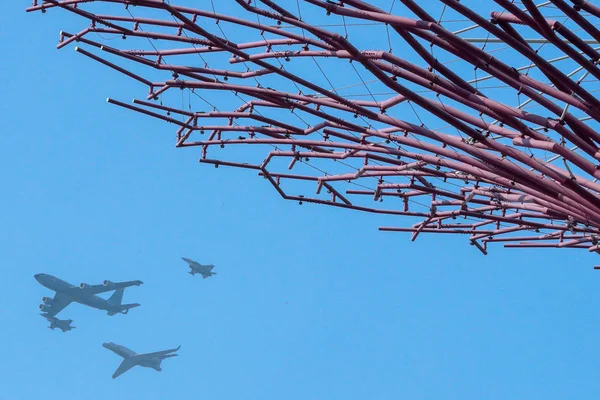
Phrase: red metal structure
[477,124]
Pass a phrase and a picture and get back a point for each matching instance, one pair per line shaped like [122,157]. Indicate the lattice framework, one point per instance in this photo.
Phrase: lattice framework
[515,161]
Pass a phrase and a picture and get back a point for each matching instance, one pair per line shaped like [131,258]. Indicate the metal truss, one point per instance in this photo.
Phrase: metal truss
[488,130]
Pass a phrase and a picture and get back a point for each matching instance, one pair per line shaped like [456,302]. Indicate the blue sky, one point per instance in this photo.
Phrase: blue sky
[309,302]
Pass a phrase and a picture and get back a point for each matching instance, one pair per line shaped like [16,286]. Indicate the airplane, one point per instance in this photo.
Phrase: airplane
[131,358]
[197,268]
[84,294]
[62,324]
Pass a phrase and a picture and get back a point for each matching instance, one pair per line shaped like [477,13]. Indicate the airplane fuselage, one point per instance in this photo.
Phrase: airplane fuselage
[63,328]
[60,325]
[197,268]
[202,270]
[153,363]
[74,293]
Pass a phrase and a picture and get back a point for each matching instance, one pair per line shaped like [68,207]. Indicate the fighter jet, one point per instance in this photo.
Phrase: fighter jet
[62,324]
[84,294]
[131,358]
[197,268]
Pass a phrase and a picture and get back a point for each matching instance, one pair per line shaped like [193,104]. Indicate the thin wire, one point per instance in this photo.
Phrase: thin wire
[366,87]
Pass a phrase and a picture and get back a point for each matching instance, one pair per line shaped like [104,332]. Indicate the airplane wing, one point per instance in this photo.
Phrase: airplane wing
[155,354]
[107,286]
[59,302]
[125,366]
[191,263]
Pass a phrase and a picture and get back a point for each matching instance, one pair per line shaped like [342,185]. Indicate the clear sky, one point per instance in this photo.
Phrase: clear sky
[309,302]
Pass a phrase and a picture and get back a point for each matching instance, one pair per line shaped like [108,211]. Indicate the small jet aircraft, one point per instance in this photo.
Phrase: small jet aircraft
[197,268]
[131,358]
[62,324]
[84,294]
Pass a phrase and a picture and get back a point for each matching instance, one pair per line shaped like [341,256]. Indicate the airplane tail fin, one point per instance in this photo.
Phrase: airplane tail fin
[123,308]
[116,307]
[126,307]
[116,298]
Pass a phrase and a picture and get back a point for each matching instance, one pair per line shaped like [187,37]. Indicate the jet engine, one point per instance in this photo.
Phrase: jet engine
[47,300]
[108,283]
[45,307]
[83,285]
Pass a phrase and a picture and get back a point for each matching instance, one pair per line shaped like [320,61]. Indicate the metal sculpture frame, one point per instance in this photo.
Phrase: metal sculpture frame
[524,178]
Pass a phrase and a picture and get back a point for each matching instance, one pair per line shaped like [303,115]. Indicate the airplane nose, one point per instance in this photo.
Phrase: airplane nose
[38,276]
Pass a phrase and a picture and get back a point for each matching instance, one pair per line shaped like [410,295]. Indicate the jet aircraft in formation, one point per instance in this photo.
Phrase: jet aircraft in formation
[62,324]
[197,268]
[66,293]
[84,294]
[131,358]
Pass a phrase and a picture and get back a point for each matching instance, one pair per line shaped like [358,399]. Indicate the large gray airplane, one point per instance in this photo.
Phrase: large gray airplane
[84,294]
[62,324]
[131,358]
[197,268]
